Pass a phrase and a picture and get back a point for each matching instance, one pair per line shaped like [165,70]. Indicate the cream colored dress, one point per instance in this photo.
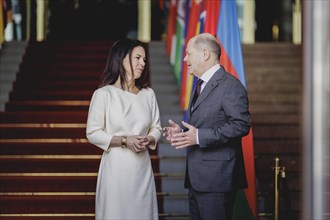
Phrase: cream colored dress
[125,184]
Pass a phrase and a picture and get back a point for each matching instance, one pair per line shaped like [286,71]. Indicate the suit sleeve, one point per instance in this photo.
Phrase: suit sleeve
[237,124]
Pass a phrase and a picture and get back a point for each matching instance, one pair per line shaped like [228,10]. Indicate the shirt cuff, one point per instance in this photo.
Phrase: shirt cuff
[197,140]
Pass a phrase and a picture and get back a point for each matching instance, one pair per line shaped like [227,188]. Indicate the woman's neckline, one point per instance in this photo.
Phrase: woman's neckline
[126,91]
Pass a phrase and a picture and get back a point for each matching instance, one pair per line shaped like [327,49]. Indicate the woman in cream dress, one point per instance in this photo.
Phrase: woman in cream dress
[124,121]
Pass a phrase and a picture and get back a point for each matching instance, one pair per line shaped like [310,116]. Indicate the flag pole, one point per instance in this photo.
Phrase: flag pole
[278,170]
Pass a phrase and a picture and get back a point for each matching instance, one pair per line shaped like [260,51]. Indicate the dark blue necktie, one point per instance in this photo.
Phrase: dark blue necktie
[199,87]
[198,91]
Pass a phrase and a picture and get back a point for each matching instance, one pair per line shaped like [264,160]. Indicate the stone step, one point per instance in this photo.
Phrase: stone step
[77,105]
[275,109]
[48,94]
[63,64]
[10,59]
[83,74]
[172,164]
[53,163]
[285,119]
[255,86]
[168,88]
[179,206]
[38,131]
[275,99]
[272,48]
[91,56]
[43,84]
[270,146]
[173,161]
[59,67]
[47,203]
[48,146]
[68,47]
[44,117]
[69,182]
[58,204]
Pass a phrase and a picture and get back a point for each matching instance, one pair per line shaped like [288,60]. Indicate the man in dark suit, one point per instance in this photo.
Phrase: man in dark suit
[217,120]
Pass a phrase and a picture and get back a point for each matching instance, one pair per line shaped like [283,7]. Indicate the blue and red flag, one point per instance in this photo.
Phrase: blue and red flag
[212,15]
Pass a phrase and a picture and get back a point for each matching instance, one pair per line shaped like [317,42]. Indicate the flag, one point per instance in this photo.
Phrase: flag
[161,5]
[212,14]
[180,40]
[171,21]
[2,24]
[193,13]
[191,82]
[203,17]
[232,60]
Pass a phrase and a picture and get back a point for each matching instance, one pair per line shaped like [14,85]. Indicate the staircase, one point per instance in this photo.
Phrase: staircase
[48,169]
[171,161]
[10,57]
[274,83]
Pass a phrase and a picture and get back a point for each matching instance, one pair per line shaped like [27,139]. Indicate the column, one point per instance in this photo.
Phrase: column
[144,20]
[248,22]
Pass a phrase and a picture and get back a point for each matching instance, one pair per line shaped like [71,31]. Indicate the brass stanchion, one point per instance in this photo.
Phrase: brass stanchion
[278,170]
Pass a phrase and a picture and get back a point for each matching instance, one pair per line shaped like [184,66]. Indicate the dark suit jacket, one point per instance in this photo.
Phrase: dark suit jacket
[222,117]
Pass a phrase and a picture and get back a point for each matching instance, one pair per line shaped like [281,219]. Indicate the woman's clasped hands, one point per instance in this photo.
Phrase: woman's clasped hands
[138,143]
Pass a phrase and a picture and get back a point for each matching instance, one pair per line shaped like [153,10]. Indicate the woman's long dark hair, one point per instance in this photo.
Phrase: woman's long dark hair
[114,67]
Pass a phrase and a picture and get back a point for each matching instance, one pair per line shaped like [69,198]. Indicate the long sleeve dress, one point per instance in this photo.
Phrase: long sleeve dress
[125,184]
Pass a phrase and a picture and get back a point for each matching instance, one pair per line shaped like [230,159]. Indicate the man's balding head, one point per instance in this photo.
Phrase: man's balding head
[208,41]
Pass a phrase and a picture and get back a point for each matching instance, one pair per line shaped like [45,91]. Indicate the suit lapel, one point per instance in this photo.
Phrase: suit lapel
[210,86]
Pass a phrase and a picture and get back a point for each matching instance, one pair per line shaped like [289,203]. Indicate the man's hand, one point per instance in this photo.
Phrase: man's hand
[184,139]
[171,130]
